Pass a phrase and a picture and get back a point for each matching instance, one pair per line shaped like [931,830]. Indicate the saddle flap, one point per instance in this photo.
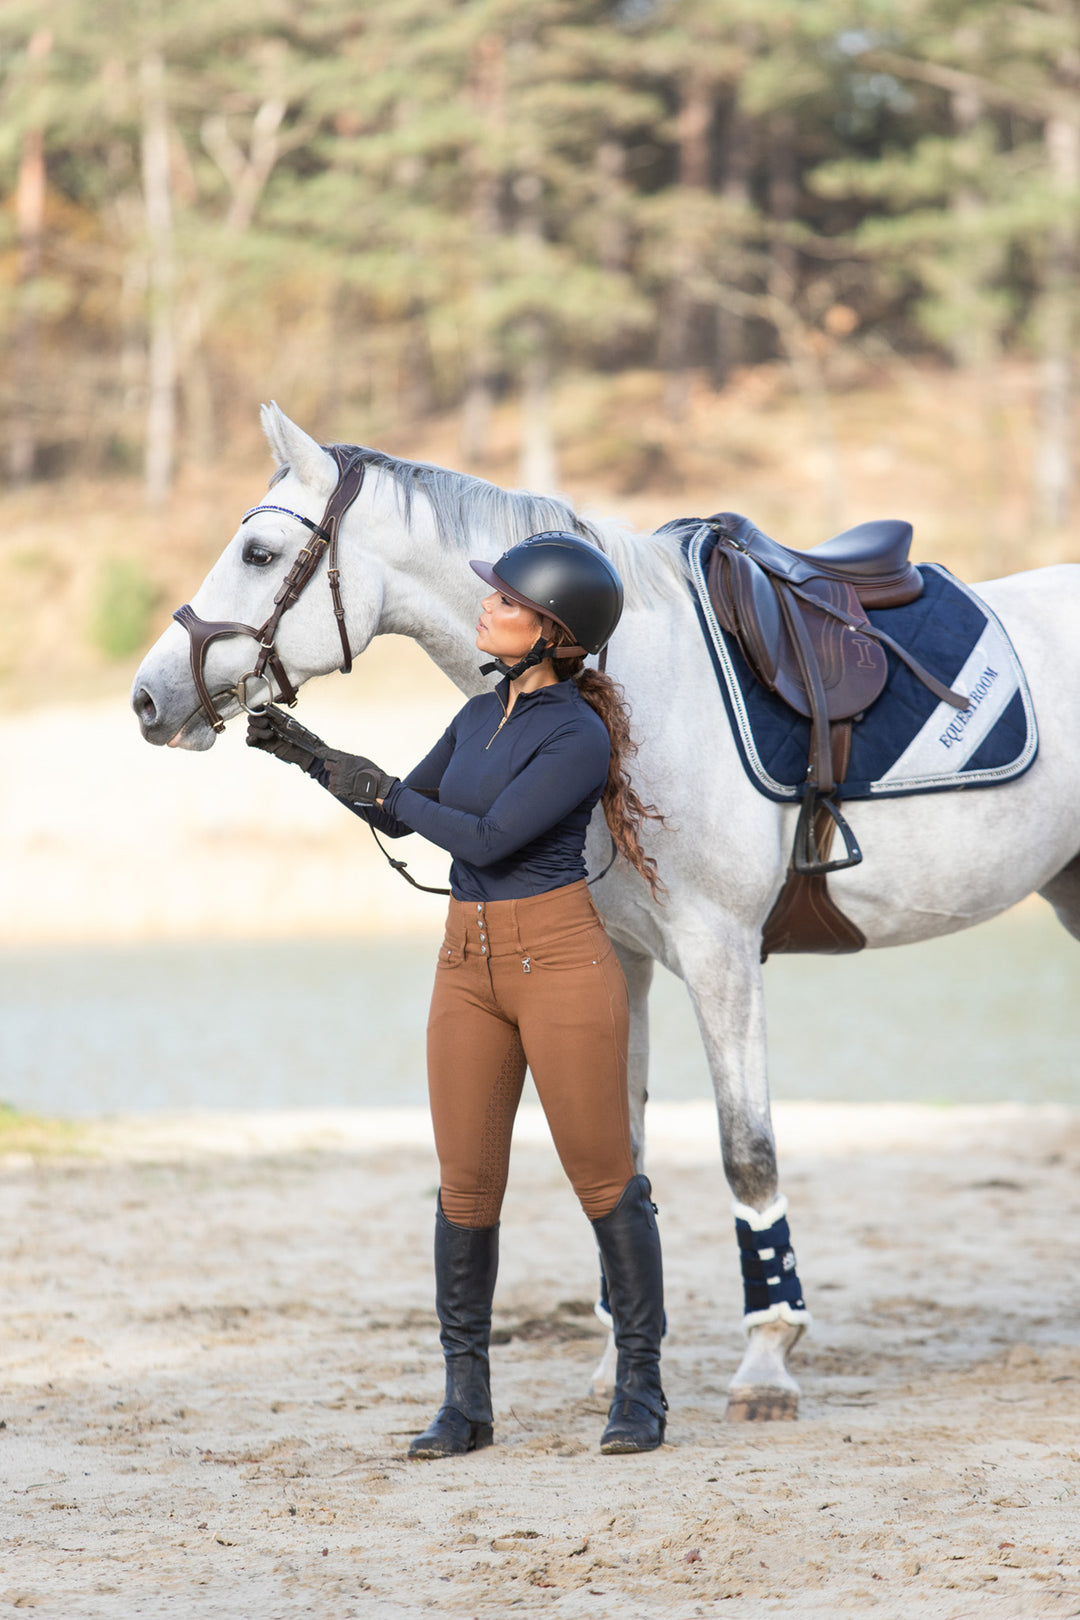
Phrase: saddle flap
[746,605]
[853,667]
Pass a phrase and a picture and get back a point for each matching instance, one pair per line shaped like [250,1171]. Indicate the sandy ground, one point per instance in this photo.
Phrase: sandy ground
[219,1339]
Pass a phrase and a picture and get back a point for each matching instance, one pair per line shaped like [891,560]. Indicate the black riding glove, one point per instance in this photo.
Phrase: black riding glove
[350,778]
[276,733]
[356,780]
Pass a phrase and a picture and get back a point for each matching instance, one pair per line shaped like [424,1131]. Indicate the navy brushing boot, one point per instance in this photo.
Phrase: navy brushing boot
[630,1250]
[466,1262]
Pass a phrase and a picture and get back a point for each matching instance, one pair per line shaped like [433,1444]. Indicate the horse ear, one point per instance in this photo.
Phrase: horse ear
[294,448]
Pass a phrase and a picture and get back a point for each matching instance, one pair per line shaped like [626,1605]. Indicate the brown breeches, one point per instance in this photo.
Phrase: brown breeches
[528,982]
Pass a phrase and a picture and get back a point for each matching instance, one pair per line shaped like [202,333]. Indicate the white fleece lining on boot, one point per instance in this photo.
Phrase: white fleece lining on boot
[767,1218]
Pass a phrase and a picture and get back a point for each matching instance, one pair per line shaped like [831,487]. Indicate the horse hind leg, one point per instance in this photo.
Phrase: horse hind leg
[1063,893]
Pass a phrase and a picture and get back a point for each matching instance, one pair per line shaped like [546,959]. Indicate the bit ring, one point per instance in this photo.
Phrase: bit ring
[240,692]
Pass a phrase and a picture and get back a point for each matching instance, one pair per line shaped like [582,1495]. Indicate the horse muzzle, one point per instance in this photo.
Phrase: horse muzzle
[254,691]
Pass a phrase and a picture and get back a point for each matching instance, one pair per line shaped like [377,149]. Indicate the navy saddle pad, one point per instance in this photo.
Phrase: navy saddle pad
[907,741]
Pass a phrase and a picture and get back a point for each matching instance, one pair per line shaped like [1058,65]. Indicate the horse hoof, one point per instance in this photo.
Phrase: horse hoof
[762,1406]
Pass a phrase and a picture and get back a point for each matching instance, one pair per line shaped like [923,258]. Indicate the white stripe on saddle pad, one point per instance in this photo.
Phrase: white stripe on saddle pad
[950,737]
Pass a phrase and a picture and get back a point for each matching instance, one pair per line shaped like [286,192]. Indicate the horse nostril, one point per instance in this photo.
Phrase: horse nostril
[144,706]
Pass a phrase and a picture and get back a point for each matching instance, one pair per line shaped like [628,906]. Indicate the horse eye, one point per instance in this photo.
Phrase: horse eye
[258,556]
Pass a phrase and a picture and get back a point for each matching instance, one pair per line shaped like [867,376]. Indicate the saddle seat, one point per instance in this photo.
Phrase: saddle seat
[872,558]
[868,553]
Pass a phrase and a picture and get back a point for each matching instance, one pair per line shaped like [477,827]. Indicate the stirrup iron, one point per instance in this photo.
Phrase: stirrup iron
[806,857]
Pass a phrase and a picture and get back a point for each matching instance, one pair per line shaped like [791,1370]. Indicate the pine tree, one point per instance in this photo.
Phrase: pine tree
[1001,192]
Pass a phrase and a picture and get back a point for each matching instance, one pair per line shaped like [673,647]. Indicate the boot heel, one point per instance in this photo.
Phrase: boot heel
[630,1253]
[451,1435]
[632,1426]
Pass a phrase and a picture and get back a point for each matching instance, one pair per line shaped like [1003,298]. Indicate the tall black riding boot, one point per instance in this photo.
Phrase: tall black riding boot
[630,1251]
[466,1261]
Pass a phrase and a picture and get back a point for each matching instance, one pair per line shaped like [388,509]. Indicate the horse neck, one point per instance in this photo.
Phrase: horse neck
[430,595]
[428,591]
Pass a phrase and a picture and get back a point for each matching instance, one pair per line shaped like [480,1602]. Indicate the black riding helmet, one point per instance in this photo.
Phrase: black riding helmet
[564,578]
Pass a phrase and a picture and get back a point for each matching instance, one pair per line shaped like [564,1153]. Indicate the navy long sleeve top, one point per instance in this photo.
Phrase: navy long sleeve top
[509,796]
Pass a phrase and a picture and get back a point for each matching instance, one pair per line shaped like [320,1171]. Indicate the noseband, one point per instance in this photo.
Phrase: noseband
[202,631]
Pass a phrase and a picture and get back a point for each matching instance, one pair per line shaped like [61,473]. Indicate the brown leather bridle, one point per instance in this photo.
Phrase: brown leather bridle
[324,534]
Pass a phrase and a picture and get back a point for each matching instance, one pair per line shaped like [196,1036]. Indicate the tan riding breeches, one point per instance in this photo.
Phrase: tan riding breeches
[528,982]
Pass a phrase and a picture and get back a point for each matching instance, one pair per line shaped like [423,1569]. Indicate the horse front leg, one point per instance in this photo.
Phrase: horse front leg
[638,971]
[726,989]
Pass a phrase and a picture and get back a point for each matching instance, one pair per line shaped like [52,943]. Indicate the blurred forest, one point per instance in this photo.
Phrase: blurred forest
[598,228]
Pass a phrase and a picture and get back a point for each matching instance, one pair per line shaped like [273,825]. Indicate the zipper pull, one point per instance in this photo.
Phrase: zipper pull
[525,968]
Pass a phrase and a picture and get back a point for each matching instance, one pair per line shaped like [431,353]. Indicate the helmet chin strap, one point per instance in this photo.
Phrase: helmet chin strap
[541,649]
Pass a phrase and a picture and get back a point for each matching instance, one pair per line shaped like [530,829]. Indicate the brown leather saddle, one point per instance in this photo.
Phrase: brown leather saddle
[800,620]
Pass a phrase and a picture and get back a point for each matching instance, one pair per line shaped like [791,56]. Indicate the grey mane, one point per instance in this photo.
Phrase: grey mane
[464,506]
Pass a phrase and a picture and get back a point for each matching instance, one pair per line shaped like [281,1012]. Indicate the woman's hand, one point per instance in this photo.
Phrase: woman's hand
[356,780]
[276,733]
[350,777]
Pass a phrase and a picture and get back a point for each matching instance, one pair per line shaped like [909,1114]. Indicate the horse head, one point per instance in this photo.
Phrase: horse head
[242,591]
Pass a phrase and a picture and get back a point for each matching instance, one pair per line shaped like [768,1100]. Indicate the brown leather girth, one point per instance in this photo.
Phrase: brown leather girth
[805,918]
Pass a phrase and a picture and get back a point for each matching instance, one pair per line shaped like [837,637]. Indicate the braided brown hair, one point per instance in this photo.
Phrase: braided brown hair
[624,810]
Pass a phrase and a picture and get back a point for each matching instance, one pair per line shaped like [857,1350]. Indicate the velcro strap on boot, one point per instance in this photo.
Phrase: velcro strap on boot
[768,1266]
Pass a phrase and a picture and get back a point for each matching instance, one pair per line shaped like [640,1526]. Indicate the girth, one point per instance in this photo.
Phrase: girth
[324,537]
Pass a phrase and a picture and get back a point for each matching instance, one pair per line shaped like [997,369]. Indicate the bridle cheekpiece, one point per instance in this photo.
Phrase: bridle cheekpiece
[324,537]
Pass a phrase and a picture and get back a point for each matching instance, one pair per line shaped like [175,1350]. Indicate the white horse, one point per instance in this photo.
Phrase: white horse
[932,864]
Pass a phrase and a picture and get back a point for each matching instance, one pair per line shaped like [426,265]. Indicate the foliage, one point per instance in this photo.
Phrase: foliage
[29,1134]
[377,210]
[125,602]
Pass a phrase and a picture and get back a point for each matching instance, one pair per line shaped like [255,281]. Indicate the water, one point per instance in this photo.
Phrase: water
[986,1016]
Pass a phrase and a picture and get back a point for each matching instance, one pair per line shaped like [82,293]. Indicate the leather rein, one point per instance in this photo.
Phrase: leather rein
[324,535]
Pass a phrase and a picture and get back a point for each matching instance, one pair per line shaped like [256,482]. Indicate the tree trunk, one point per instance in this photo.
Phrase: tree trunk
[539,463]
[476,409]
[417,386]
[488,87]
[195,391]
[157,201]
[674,341]
[246,172]
[974,325]
[613,240]
[695,118]
[677,307]
[730,350]
[783,200]
[1057,329]
[30,231]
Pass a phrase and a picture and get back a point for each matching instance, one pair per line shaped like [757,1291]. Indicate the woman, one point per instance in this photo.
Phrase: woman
[526,973]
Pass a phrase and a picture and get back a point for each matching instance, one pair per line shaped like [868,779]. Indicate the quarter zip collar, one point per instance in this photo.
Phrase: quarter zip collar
[561,691]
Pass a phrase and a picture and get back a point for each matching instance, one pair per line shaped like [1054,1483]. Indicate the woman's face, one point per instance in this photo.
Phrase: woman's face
[506,628]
